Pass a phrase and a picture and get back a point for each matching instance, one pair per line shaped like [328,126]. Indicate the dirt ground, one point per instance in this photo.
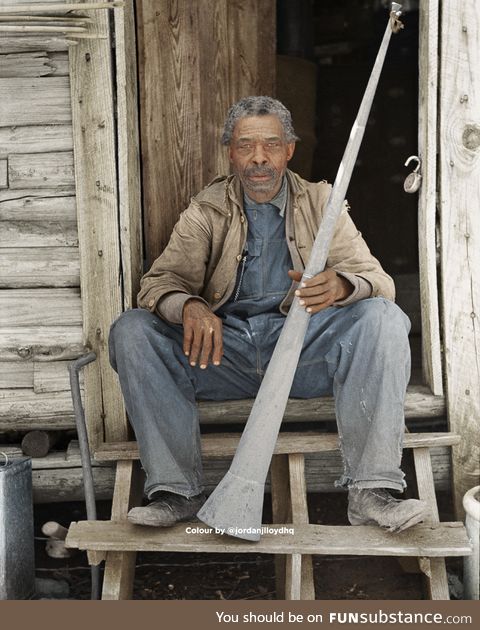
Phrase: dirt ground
[242,576]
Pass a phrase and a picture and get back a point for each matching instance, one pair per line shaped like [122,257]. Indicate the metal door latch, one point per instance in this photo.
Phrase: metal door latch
[413,181]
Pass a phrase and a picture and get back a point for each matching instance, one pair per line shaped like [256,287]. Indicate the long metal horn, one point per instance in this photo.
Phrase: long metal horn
[236,504]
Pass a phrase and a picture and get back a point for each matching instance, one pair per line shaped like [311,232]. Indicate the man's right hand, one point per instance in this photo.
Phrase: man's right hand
[202,334]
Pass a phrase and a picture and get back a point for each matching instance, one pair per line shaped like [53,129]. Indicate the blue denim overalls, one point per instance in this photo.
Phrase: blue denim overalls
[359,353]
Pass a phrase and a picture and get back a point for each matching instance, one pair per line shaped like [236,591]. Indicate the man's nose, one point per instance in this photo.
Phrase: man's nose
[259,156]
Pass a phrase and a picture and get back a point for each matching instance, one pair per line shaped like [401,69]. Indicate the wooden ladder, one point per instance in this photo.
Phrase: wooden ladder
[117,541]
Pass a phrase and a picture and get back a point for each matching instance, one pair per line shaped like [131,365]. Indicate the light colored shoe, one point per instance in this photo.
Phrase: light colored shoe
[376,506]
[167,510]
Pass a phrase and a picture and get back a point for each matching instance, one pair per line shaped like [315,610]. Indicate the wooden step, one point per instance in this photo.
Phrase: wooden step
[419,403]
[225,444]
[432,540]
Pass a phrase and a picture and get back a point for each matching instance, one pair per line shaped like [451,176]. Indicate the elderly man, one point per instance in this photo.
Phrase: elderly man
[212,308]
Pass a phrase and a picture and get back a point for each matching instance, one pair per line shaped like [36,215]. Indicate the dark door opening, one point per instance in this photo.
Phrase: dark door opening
[326,50]
[337,40]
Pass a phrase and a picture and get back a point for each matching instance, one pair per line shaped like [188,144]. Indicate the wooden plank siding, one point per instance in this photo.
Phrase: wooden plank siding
[3,174]
[32,205]
[427,206]
[30,267]
[38,234]
[195,60]
[92,94]
[42,343]
[41,170]
[42,326]
[35,101]
[16,375]
[52,377]
[26,43]
[459,165]
[129,177]
[40,305]
[35,138]
[33,64]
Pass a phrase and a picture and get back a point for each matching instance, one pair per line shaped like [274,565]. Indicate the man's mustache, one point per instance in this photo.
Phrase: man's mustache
[255,171]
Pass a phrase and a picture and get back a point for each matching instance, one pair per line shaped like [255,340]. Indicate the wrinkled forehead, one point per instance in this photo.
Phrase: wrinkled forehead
[258,127]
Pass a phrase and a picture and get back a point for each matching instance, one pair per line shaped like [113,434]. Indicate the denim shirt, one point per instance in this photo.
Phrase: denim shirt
[262,278]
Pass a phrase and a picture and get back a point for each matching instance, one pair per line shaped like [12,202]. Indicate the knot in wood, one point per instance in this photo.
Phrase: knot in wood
[471,137]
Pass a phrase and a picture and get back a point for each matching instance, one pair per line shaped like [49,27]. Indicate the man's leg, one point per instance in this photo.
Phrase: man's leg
[360,353]
[159,387]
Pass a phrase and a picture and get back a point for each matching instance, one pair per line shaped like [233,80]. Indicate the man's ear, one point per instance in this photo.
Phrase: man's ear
[290,150]
[230,154]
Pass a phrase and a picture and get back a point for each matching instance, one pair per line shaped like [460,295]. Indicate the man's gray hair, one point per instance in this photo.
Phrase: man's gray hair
[258,106]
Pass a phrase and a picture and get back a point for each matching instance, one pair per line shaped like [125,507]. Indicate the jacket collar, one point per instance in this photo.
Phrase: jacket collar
[233,191]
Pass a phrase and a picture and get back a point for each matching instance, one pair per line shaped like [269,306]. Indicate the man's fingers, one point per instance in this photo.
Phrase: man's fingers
[319,289]
[217,346]
[196,344]
[319,279]
[207,344]
[202,339]
[319,307]
[326,298]
[187,338]
[295,275]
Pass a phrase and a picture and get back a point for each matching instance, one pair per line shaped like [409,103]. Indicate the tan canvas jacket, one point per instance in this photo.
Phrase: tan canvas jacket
[207,242]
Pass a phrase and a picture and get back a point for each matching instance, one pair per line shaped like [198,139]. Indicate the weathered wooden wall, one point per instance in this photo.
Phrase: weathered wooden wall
[459,203]
[69,216]
[40,308]
[195,60]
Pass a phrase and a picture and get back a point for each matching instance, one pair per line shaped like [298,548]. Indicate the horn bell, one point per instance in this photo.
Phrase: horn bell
[235,507]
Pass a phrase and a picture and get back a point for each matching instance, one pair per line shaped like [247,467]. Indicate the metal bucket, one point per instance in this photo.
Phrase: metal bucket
[17,560]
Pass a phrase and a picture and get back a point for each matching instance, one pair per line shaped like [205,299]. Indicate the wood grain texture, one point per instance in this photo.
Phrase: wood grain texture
[436,573]
[52,377]
[460,232]
[42,343]
[129,176]
[99,243]
[120,566]
[24,43]
[419,403]
[23,410]
[66,484]
[38,234]
[11,3]
[298,494]
[35,207]
[322,469]
[40,307]
[281,512]
[41,170]
[35,139]
[36,6]
[195,60]
[225,444]
[446,539]
[32,101]
[169,75]
[39,267]
[16,375]
[3,174]
[33,64]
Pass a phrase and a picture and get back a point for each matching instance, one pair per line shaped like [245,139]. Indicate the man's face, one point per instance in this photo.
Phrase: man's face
[260,155]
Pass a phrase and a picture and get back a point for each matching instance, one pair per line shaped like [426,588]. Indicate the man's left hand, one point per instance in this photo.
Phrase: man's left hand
[322,290]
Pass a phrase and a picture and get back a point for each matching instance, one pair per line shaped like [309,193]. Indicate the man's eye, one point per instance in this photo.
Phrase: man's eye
[273,145]
[245,146]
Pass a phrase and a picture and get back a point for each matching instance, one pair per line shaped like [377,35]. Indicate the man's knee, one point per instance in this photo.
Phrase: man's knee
[129,330]
[382,314]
